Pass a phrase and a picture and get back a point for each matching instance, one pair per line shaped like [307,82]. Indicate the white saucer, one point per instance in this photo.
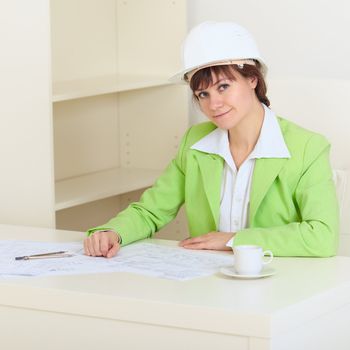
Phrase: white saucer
[230,271]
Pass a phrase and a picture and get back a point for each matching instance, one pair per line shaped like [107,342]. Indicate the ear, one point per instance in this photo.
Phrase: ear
[253,82]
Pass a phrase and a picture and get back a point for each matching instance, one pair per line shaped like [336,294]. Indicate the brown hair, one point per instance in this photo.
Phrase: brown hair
[204,77]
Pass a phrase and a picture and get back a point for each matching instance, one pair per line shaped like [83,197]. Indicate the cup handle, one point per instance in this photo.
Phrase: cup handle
[268,252]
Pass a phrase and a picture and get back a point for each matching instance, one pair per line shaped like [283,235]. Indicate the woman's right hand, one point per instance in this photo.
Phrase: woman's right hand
[102,243]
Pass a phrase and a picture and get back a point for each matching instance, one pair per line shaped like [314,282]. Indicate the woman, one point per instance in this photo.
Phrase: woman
[246,176]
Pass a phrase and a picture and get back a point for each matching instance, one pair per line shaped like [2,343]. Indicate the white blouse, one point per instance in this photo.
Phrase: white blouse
[236,184]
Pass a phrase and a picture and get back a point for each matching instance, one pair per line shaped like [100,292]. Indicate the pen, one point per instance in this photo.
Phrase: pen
[60,254]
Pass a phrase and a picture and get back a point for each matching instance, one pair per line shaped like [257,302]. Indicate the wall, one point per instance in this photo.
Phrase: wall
[296,37]
[26,180]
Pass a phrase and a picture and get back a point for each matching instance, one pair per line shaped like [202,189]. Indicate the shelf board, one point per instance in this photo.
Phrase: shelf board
[74,89]
[87,188]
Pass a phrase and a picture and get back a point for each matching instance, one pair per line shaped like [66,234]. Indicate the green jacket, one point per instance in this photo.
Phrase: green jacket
[293,206]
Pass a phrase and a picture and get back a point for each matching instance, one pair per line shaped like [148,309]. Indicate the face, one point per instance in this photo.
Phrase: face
[228,102]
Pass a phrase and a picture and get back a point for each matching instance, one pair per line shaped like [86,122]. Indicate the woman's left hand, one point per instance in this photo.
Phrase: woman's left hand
[211,240]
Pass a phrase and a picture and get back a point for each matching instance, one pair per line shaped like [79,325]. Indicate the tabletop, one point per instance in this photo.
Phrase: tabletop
[301,289]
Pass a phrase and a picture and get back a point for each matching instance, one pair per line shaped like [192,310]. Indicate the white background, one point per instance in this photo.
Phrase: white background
[308,38]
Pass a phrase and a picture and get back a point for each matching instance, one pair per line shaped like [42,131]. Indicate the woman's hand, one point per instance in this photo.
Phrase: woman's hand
[102,243]
[211,240]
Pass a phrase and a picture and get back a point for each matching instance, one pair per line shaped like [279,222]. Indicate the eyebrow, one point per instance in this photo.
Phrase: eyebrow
[216,83]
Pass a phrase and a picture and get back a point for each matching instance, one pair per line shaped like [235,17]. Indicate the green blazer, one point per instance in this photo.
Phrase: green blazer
[293,206]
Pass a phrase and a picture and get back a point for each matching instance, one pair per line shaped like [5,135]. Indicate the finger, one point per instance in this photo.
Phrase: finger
[183,241]
[104,244]
[114,250]
[197,246]
[89,245]
[95,246]
[193,240]
[86,247]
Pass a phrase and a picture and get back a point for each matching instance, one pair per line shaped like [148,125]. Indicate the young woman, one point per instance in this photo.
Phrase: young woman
[246,176]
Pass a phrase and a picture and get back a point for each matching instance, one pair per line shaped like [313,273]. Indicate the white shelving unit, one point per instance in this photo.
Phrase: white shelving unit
[69,90]
[97,106]
[117,120]
[91,187]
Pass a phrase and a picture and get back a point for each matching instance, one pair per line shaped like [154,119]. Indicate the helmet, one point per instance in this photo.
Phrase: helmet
[217,43]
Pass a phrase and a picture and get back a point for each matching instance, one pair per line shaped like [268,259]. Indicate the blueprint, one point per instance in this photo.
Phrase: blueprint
[149,259]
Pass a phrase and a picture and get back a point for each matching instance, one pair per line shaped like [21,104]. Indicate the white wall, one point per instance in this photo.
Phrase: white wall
[307,38]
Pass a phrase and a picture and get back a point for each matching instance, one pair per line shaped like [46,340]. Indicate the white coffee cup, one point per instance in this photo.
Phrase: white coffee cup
[249,259]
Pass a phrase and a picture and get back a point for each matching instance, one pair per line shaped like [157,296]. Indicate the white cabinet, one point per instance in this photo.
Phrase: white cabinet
[112,117]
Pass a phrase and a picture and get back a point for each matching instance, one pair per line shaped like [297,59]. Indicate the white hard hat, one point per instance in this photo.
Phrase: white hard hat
[217,43]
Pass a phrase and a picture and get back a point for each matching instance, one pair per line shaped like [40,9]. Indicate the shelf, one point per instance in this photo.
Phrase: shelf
[74,89]
[87,188]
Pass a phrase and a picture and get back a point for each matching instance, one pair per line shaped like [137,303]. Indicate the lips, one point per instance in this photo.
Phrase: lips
[222,114]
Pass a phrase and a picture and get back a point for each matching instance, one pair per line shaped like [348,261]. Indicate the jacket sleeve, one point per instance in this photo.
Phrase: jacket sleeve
[157,206]
[317,232]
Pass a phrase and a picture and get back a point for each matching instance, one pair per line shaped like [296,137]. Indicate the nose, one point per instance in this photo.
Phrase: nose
[215,101]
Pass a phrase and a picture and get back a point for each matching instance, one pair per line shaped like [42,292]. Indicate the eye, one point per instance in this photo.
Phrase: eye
[223,87]
[203,94]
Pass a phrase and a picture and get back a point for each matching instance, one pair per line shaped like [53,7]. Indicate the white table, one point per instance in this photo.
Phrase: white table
[306,305]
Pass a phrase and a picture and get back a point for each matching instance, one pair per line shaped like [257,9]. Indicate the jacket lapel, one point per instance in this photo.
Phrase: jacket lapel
[211,167]
[265,172]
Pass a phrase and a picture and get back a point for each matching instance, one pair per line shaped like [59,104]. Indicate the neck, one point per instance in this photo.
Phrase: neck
[244,136]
